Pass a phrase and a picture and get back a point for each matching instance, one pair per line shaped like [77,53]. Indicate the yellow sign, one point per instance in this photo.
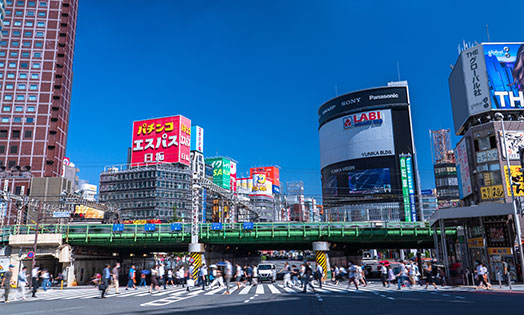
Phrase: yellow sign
[518,180]
[492,192]
[88,212]
[499,251]
[477,242]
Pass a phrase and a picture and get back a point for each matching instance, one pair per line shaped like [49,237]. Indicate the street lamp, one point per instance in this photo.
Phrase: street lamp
[500,117]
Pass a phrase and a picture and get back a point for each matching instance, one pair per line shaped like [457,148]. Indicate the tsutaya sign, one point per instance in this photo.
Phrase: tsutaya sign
[161,140]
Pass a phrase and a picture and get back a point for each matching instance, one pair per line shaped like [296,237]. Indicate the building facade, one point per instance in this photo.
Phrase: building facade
[158,191]
[36,73]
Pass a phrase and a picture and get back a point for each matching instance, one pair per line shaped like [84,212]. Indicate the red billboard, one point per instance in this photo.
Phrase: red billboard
[161,140]
[272,173]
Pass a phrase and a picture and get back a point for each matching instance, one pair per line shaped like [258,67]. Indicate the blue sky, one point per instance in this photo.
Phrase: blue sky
[253,73]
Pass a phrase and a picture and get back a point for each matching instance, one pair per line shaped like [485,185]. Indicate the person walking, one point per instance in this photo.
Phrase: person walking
[402,276]
[114,277]
[294,275]
[319,274]
[106,278]
[35,273]
[22,282]
[45,280]
[162,275]
[287,275]
[255,274]
[228,274]
[308,275]
[131,282]
[391,275]
[154,280]
[203,276]
[6,283]
[353,273]
[143,276]
[505,273]
[429,276]
[384,275]
[170,277]
[238,275]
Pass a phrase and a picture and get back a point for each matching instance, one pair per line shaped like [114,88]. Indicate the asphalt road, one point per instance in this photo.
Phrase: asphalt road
[272,299]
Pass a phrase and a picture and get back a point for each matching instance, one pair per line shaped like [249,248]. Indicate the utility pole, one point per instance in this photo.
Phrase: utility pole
[38,217]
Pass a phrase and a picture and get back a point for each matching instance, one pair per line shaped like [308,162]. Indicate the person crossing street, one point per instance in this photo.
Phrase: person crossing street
[6,283]
[106,279]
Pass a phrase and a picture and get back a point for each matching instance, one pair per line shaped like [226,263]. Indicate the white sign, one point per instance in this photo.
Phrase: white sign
[360,135]
[476,80]
[463,164]
[61,214]
[514,140]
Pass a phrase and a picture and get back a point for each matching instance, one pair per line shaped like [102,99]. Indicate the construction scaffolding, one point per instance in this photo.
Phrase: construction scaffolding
[441,151]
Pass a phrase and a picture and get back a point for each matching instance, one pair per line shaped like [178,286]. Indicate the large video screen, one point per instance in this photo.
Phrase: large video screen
[370,181]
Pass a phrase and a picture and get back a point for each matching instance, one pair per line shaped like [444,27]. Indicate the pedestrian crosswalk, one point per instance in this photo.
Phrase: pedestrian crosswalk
[172,295]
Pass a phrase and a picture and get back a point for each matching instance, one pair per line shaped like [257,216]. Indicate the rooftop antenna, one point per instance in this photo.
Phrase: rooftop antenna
[487,31]
[398,70]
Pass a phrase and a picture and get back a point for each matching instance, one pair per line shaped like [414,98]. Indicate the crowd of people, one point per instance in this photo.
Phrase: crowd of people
[40,278]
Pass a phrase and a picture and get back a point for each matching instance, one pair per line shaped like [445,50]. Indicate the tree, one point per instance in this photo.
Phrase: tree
[175,217]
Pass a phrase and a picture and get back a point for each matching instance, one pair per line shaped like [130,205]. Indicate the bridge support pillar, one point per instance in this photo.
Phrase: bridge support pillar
[196,251]
[321,256]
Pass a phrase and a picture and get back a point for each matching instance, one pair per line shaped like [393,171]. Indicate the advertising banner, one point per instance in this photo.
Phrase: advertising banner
[233,176]
[463,168]
[405,189]
[477,242]
[361,135]
[411,189]
[88,212]
[197,139]
[261,185]
[518,180]
[204,203]
[514,140]
[221,171]
[161,140]
[491,192]
[272,174]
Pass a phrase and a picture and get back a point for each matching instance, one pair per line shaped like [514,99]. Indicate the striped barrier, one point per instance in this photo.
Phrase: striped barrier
[196,260]
[321,259]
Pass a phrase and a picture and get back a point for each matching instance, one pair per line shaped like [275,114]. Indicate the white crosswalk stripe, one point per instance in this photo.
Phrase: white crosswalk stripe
[273,289]
[245,290]
[260,289]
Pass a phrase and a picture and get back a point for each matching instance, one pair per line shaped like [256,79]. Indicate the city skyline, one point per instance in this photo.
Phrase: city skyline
[229,78]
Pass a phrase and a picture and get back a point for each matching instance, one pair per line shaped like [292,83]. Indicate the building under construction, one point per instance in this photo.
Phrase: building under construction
[446,181]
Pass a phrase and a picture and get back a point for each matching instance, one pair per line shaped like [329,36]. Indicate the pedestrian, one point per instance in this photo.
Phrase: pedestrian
[131,282]
[35,273]
[6,283]
[287,275]
[362,271]
[170,277]
[249,274]
[162,275]
[384,275]
[255,274]
[308,275]
[336,273]
[319,274]
[218,279]
[294,275]
[238,275]
[45,280]
[429,276]
[481,272]
[106,278]
[228,274]
[402,276]
[154,279]
[203,276]
[22,282]
[114,277]
[391,275]
[505,272]
[302,274]
[143,276]
[442,276]
[353,274]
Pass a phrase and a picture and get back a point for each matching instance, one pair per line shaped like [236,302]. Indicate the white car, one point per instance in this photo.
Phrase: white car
[267,272]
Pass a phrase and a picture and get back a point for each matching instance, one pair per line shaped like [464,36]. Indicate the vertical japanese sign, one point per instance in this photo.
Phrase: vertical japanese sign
[405,188]
[233,174]
[204,198]
[197,139]
[411,189]
[221,171]
[161,140]
[463,168]
[476,80]
[517,177]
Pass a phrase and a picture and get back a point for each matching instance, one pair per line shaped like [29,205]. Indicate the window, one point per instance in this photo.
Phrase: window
[41,14]
[33,87]
[38,44]
[21,86]
[7,12]
[31,3]
[34,76]
[5,33]
[9,86]
[2,53]
[6,108]
[30,13]
[36,65]
[10,75]
[28,23]
[2,148]
[8,97]
[31,109]
[12,65]
[24,65]
[3,133]
[13,54]
[20,97]
[28,134]
[5,119]
[16,134]
[40,24]
[15,43]
[1,75]
[25,54]
[19,13]
[18,23]
[39,34]
[37,55]
[11,163]
[2,64]
[43,4]
[19,108]
[28,33]
[26,44]
[3,43]
[17,120]
[32,97]
[6,23]
[13,149]
[29,120]
[23,75]
[20,3]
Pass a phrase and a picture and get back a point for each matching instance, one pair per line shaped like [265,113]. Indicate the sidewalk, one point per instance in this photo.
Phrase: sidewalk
[517,288]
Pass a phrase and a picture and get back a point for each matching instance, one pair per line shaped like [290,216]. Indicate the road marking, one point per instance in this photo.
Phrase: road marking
[273,289]
[215,291]
[288,290]
[260,289]
[245,290]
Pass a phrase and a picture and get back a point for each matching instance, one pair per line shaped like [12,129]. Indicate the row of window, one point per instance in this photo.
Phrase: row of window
[26,33]
[12,149]
[141,184]
[11,75]
[17,120]
[23,65]
[25,54]
[21,86]
[16,43]
[21,3]
[28,13]
[15,134]
[27,23]
[9,97]
[29,109]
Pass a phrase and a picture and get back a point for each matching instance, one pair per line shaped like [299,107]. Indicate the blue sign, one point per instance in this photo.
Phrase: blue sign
[276,189]
[149,227]
[411,189]
[427,192]
[204,197]
[216,226]
[118,228]
[248,225]
[176,227]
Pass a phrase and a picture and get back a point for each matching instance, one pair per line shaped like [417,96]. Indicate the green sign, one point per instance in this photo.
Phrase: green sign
[221,171]
[405,189]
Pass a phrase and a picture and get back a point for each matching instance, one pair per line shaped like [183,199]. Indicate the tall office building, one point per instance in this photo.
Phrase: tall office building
[36,73]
